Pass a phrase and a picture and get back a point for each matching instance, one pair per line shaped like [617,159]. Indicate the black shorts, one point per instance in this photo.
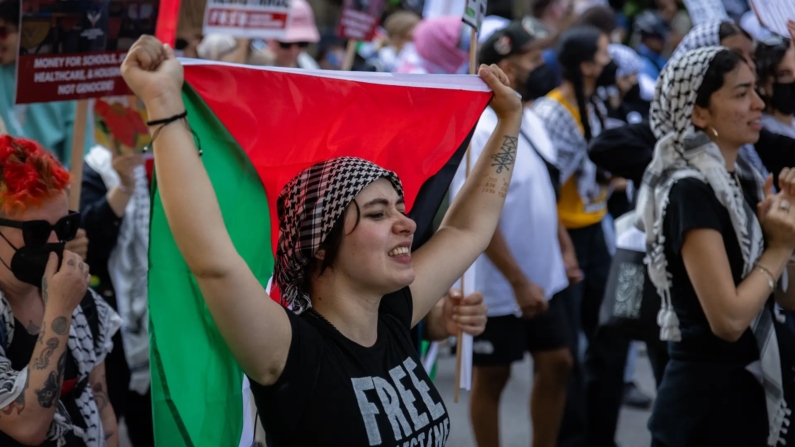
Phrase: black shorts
[508,337]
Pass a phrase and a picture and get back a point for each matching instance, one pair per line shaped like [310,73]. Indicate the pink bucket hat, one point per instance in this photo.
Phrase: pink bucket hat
[301,26]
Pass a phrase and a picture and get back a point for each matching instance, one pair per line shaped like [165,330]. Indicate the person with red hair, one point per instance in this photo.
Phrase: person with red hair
[54,331]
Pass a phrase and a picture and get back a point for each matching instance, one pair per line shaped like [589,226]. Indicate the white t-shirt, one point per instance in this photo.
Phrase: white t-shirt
[529,220]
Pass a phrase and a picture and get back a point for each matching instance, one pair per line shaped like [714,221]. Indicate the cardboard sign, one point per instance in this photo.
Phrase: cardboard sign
[71,49]
[773,14]
[120,124]
[474,13]
[360,18]
[263,19]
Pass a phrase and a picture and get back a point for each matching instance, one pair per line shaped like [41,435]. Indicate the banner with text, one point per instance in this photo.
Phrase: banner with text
[72,49]
[360,18]
[259,19]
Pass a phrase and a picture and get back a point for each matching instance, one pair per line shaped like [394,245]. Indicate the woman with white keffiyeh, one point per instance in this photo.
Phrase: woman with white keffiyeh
[714,262]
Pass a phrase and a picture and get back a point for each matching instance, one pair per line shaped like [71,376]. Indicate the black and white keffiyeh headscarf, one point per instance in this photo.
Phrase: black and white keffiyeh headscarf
[308,207]
[682,151]
[706,34]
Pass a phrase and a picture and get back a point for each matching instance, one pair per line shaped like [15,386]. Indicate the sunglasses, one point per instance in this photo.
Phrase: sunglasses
[288,45]
[36,232]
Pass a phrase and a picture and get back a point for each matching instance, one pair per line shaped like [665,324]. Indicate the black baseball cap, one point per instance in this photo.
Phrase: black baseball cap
[520,36]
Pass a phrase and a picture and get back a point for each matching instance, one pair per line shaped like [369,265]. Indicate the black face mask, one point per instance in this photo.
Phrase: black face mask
[28,263]
[539,82]
[783,98]
[608,75]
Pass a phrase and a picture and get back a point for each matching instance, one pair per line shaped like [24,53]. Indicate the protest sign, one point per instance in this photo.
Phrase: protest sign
[120,124]
[474,13]
[72,49]
[263,19]
[360,18]
[774,14]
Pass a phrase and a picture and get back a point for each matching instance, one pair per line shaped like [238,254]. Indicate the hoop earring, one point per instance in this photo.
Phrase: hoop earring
[714,132]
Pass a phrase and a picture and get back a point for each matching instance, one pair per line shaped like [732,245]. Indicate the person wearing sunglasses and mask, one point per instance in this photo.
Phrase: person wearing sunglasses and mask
[54,332]
[49,123]
[572,115]
[290,50]
[775,67]
[521,275]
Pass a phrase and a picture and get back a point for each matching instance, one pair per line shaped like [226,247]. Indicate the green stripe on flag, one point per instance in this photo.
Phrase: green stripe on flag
[196,383]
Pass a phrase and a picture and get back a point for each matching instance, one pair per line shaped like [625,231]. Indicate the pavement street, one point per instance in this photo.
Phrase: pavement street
[515,427]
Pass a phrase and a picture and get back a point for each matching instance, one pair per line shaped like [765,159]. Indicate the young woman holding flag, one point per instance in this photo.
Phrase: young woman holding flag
[340,368]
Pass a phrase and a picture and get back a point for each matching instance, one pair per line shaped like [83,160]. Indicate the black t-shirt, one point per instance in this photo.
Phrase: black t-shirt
[693,205]
[335,392]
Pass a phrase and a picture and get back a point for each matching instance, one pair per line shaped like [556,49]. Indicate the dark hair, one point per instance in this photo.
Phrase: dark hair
[540,6]
[331,247]
[728,29]
[9,12]
[768,55]
[725,61]
[600,17]
[578,45]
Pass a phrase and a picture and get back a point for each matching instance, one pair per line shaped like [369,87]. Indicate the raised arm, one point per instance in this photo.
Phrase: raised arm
[256,329]
[28,415]
[470,222]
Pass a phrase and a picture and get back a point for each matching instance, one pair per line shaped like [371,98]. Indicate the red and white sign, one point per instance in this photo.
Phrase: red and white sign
[73,50]
[263,19]
[360,18]
[62,77]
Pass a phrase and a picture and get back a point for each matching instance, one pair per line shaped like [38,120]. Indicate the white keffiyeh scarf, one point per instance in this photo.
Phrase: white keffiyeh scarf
[684,152]
[128,266]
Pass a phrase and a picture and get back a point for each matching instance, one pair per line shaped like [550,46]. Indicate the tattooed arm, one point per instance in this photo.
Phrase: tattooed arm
[27,419]
[100,388]
[470,222]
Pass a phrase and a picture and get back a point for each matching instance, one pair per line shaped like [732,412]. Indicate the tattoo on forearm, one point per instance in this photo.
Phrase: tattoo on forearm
[505,158]
[489,185]
[49,393]
[19,403]
[32,328]
[43,360]
[100,395]
[60,326]
[40,340]
[504,189]
[44,294]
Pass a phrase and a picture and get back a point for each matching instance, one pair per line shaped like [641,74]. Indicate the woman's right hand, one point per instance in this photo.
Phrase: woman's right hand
[65,286]
[506,102]
[152,71]
[777,218]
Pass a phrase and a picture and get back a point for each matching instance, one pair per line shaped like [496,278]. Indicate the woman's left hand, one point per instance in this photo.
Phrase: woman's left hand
[467,314]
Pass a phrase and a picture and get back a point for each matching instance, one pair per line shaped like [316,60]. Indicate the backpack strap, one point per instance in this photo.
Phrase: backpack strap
[554,171]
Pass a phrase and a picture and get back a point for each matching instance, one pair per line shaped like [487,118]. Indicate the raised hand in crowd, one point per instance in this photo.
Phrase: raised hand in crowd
[775,212]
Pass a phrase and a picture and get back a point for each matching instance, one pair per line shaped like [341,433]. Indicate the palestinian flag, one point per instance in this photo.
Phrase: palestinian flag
[258,128]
